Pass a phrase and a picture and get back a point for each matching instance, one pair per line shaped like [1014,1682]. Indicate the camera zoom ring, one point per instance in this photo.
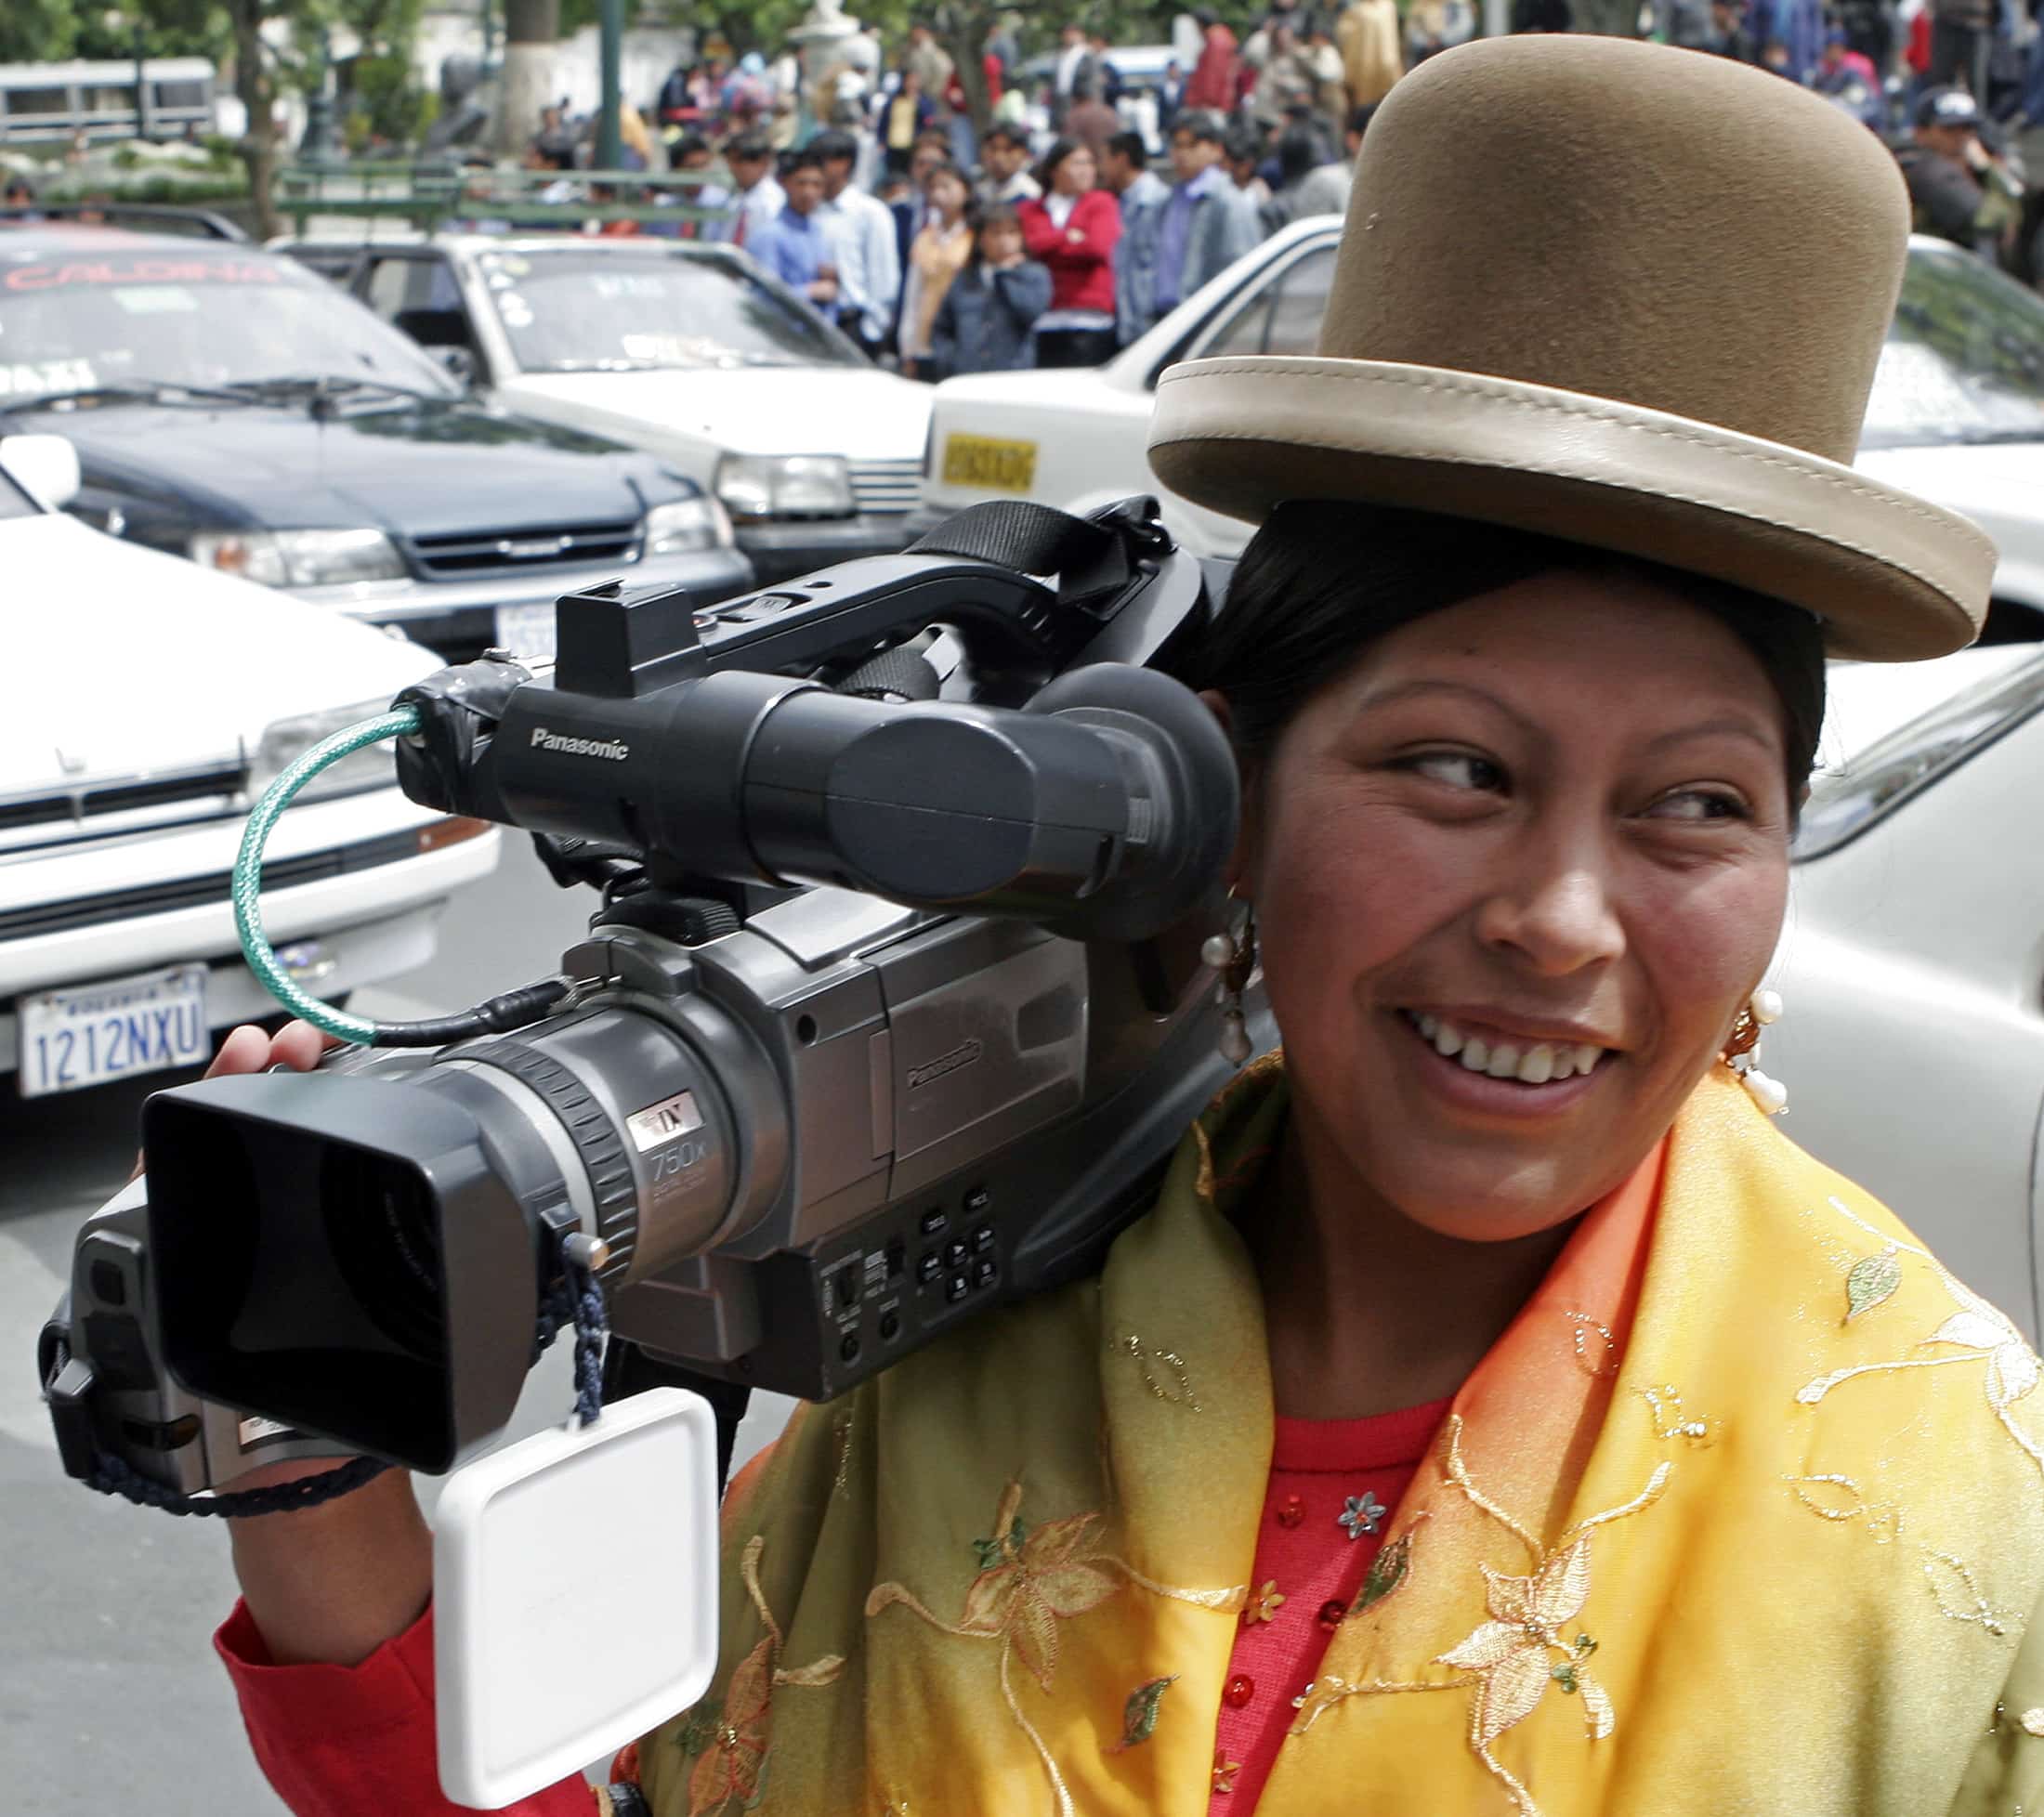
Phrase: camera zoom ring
[590,1128]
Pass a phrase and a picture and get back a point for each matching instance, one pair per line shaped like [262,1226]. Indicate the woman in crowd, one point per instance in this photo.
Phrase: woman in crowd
[985,320]
[1072,229]
[1495,1415]
[936,254]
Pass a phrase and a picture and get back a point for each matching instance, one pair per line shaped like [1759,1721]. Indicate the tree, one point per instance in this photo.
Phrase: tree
[531,31]
[38,31]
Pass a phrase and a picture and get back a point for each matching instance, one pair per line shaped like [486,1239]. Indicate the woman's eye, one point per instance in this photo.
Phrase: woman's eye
[1458,769]
[1700,804]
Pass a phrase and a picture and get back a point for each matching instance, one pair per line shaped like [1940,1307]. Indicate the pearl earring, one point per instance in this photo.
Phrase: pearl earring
[1762,1008]
[1233,957]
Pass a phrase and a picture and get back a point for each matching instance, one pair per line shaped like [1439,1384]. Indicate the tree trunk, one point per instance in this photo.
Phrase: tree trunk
[531,31]
[962,26]
[257,95]
[1610,18]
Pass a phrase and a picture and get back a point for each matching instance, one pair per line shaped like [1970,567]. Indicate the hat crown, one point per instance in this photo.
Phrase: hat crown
[1659,227]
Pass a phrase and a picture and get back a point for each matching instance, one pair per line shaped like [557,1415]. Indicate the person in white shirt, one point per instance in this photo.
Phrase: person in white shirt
[759,196]
[870,280]
[1004,169]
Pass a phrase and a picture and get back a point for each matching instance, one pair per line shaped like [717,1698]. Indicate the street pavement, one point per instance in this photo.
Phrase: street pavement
[111,1698]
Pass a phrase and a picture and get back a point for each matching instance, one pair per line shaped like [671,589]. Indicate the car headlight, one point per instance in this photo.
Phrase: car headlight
[757,486]
[300,558]
[286,740]
[684,526]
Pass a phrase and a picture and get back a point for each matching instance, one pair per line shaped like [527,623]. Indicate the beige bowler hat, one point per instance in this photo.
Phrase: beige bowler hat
[1617,292]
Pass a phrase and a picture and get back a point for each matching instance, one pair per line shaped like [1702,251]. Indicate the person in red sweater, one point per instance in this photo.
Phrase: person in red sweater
[1072,228]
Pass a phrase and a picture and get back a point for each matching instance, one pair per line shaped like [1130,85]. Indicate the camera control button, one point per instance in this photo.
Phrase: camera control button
[935,1222]
[984,1272]
[954,1253]
[978,1202]
[930,1267]
[983,1240]
[957,1287]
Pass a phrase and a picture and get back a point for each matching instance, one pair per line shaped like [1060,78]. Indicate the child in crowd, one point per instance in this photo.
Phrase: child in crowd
[984,323]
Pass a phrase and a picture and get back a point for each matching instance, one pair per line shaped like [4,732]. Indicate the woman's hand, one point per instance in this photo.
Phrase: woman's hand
[330,1583]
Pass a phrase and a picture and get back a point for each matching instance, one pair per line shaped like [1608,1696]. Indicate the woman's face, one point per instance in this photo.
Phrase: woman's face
[946,192]
[1074,174]
[1550,825]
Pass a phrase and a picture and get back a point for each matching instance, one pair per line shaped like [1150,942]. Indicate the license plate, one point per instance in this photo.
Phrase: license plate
[527,631]
[72,1038]
[983,461]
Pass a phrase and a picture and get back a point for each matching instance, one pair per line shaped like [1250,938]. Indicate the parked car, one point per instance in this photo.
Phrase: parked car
[228,405]
[1911,968]
[1957,414]
[153,700]
[690,350]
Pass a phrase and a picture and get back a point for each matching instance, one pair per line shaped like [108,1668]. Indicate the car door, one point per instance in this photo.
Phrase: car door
[1279,314]
[417,291]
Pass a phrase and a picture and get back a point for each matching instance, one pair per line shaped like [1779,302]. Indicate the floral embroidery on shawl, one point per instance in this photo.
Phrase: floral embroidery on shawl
[1028,1580]
[1975,1331]
[731,1748]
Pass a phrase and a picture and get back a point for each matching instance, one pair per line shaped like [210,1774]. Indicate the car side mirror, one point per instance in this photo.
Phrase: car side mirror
[460,365]
[44,467]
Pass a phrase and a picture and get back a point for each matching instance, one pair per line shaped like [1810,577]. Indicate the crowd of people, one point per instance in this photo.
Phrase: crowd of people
[1090,206]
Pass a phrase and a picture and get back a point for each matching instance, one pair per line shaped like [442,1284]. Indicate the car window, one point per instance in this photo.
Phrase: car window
[579,310]
[1964,359]
[1282,318]
[397,284]
[73,322]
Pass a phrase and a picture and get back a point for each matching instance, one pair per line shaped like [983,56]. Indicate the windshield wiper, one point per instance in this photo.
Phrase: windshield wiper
[136,391]
[322,390]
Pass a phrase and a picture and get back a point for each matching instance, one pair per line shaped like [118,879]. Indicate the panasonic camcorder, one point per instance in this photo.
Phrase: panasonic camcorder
[892,1012]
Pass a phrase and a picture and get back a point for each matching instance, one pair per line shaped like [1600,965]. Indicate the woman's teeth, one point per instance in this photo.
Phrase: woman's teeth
[1538,1063]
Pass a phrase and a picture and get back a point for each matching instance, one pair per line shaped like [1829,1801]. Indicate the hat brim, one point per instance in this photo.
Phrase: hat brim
[1892,578]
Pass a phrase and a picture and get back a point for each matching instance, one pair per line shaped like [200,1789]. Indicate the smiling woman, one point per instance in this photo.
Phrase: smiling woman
[1495,1414]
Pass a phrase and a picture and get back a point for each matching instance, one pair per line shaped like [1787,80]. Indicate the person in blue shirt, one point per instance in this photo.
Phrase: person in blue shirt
[801,248]
[1201,228]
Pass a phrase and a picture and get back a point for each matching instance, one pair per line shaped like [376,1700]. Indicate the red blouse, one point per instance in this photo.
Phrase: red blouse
[339,1740]
[1080,254]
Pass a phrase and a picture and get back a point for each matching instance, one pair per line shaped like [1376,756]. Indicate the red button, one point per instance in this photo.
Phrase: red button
[1331,1615]
[1290,1511]
[1240,1689]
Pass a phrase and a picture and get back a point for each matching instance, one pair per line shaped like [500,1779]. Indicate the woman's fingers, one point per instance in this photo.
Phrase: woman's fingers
[248,1049]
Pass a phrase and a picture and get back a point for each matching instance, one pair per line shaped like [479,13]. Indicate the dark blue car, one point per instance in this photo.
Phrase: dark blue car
[233,407]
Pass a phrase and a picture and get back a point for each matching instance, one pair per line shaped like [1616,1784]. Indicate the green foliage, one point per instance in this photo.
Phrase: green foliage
[38,31]
[389,103]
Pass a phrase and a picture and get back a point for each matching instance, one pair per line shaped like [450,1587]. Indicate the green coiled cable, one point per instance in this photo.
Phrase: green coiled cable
[248,871]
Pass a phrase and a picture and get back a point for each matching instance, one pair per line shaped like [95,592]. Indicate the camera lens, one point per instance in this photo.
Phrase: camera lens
[381,1231]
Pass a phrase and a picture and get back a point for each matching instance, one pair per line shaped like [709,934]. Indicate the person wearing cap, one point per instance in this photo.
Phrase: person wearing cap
[1495,1414]
[1957,189]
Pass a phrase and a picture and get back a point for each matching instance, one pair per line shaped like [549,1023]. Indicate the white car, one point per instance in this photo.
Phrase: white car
[152,700]
[690,351]
[1957,414]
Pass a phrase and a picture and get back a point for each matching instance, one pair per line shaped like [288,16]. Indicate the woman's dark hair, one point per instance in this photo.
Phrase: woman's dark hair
[1322,581]
[1060,150]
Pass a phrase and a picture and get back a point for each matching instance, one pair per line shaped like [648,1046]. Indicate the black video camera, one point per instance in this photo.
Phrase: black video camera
[893,1010]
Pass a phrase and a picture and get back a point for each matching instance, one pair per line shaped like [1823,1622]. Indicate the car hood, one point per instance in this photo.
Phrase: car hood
[1998,485]
[419,468]
[859,411]
[187,664]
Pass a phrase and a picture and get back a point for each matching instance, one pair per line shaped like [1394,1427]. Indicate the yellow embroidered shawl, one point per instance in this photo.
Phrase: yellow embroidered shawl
[1742,1515]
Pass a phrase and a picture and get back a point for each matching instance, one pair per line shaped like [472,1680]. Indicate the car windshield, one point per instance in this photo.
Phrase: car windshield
[1846,801]
[579,311]
[75,323]
[1964,360]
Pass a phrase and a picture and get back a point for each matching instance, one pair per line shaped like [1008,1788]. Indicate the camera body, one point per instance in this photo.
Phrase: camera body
[893,1013]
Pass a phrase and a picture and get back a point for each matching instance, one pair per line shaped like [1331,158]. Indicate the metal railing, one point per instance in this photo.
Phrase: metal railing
[431,197]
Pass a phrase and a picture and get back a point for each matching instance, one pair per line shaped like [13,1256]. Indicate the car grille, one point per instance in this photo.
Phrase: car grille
[886,488]
[214,783]
[528,546]
[73,912]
